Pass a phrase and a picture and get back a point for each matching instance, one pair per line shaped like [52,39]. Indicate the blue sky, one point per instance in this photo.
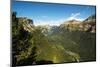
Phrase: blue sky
[52,14]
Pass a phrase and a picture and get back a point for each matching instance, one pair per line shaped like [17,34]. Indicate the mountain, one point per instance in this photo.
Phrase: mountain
[72,41]
[28,24]
[71,25]
[89,24]
[91,18]
[72,22]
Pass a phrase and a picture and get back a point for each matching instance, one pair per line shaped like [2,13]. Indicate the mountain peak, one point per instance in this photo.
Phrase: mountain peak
[73,21]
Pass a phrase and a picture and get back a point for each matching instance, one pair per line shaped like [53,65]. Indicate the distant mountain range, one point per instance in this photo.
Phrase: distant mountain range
[72,41]
[88,25]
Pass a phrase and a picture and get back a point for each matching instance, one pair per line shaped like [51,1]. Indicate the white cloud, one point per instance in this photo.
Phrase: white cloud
[45,21]
[49,22]
[75,16]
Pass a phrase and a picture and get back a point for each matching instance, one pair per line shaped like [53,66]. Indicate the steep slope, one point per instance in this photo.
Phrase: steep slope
[69,42]
[28,24]
[71,25]
[89,24]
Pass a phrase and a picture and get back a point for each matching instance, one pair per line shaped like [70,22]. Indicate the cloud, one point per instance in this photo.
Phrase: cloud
[43,20]
[75,16]
[49,22]
[46,20]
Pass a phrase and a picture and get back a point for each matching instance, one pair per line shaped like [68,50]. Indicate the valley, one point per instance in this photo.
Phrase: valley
[72,41]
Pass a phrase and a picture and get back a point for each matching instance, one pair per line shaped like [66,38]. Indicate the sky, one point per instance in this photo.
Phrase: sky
[52,14]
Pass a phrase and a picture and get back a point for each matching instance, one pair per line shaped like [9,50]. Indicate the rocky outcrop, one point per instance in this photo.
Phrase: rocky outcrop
[27,23]
[71,25]
[25,20]
[88,25]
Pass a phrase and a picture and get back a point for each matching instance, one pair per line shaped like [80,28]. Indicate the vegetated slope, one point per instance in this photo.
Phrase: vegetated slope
[88,39]
[79,41]
[69,42]
[52,48]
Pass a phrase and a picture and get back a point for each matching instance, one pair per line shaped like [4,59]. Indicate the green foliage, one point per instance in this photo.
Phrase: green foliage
[23,44]
[57,45]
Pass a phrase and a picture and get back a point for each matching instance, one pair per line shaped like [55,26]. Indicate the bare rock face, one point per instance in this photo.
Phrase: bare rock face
[72,22]
[25,20]
[71,25]
[88,25]
[27,23]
